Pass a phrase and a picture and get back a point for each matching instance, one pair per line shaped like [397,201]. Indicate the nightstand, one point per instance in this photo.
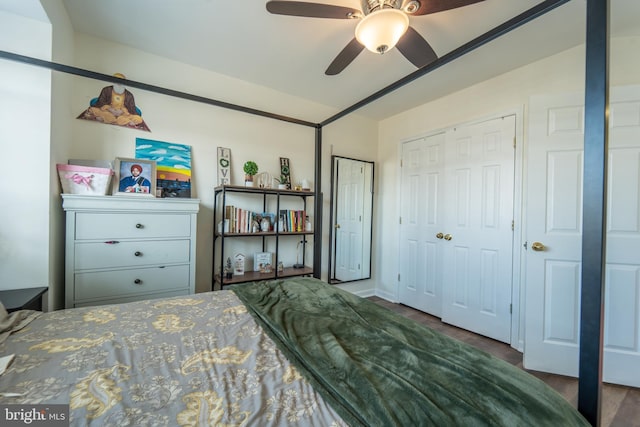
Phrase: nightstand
[23,299]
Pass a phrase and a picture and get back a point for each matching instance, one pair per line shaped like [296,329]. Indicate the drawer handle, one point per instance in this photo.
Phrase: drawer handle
[112,242]
[138,282]
[139,226]
[138,253]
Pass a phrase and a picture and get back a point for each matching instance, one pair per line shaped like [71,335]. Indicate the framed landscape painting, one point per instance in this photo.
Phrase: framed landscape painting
[173,166]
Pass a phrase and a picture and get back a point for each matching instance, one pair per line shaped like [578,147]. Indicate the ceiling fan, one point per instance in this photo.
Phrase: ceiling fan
[383,25]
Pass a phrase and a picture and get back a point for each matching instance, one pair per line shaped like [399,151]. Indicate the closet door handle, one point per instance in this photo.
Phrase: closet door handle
[537,246]
[439,236]
[448,237]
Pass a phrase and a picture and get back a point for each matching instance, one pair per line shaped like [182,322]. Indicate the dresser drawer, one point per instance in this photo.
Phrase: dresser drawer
[118,283]
[90,255]
[113,226]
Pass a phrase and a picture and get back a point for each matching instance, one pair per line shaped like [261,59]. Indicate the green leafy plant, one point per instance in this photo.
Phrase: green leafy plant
[250,168]
[282,179]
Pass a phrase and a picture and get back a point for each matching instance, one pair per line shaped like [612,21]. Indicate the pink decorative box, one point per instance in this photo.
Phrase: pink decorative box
[84,179]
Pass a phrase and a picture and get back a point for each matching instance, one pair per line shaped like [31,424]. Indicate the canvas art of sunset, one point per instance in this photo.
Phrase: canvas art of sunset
[173,165]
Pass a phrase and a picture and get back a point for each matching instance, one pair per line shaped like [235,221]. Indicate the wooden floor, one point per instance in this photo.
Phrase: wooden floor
[620,405]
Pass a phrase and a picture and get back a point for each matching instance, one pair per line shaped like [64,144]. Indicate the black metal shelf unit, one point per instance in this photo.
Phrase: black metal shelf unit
[219,281]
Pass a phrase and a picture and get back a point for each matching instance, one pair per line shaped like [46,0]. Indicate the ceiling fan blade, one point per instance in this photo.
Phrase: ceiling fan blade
[416,49]
[433,6]
[313,10]
[345,57]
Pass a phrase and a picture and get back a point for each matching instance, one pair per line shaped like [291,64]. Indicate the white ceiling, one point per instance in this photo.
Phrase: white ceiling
[290,54]
[26,8]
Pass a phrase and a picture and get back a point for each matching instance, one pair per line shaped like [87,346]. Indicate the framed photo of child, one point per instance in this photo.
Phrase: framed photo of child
[136,177]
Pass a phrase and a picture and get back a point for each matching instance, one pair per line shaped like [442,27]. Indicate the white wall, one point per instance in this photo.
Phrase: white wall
[60,130]
[205,127]
[25,120]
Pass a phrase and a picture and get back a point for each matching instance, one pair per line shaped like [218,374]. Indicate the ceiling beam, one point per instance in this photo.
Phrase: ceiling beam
[151,88]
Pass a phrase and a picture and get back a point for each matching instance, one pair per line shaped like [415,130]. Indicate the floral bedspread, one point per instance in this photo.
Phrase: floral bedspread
[199,360]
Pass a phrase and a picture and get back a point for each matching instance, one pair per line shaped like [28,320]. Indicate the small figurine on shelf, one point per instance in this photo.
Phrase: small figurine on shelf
[264,180]
[239,264]
[265,268]
[280,267]
[265,225]
[228,270]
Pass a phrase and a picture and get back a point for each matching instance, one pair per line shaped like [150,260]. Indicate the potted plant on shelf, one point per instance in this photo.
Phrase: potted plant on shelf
[282,182]
[250,169]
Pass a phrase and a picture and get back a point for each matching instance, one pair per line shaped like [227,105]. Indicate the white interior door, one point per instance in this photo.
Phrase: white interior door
[421,261]
[349,220]
[554,219]
[478,240]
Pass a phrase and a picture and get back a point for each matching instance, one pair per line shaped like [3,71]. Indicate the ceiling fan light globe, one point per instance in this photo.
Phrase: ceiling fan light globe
[379,31]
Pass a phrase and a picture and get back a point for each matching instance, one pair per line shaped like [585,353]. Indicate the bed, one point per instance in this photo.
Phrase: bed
[273,353]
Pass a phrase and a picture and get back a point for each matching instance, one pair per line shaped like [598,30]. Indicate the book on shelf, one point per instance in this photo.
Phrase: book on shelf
[243,220]
[228,216]
[240,220]
[292,220]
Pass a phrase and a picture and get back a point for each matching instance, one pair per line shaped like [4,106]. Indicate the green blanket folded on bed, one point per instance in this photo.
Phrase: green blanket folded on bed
[377,368]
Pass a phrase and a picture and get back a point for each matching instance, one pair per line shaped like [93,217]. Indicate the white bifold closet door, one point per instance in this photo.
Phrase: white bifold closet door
[456,237]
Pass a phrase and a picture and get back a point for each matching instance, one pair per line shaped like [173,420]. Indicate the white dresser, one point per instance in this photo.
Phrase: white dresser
[128,248]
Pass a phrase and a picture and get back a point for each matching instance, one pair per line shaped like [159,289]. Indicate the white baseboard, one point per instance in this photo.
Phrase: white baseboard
[366,293]
[386,296]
